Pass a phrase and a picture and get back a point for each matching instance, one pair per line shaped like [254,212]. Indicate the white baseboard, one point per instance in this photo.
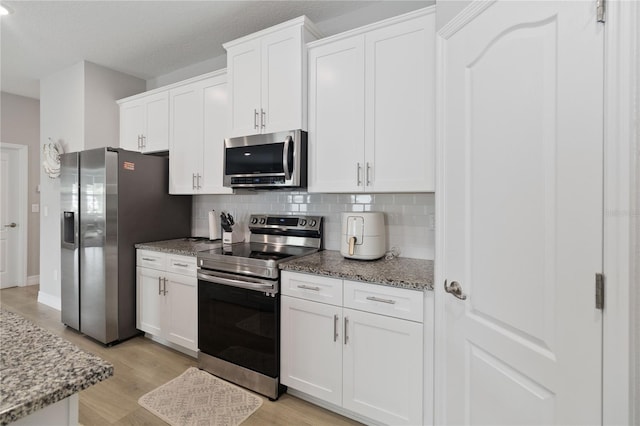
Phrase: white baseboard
[33,279]
[49,300]
[171,345]
[331,407]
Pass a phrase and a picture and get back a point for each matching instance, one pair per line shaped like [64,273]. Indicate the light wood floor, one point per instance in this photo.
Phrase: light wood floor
[140,366]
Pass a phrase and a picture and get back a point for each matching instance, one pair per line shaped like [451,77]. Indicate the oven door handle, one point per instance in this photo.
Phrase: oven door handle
[235,283]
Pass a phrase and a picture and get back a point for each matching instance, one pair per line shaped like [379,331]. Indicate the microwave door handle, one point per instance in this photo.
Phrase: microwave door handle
[285,157]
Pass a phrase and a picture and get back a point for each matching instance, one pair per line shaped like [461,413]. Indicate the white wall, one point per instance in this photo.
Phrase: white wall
[407,216]
[77,108]
[61,119]
[102,88]
[446,10]
[366,15]
[20,124]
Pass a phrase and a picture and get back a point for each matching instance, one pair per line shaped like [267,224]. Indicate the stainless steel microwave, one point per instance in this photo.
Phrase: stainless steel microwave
[274,160]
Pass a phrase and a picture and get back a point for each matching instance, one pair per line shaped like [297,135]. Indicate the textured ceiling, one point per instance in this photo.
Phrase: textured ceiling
[145,39]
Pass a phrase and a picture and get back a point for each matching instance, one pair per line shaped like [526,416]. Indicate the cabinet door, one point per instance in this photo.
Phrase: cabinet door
[185,142]
[243,68]
[282,81]
[156,137]
[336,116]
[383,369]
[400,105]
[311,348]
[181,316]
[216,122]
[132,125]
[149,300]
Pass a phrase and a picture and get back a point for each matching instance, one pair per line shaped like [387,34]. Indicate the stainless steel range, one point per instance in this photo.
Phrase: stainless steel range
[239,300]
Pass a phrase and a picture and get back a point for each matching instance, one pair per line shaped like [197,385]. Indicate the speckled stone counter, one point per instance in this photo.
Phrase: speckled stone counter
[38,368]
[415,274]
[182,246]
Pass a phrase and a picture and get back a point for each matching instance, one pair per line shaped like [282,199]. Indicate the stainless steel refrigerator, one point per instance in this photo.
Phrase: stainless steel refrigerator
[110,200]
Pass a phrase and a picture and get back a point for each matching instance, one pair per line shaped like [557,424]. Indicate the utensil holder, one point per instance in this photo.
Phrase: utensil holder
[232,237]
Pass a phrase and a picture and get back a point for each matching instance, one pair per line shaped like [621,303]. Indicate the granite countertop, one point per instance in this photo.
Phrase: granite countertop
[414,274]
[189,246]
[39,368]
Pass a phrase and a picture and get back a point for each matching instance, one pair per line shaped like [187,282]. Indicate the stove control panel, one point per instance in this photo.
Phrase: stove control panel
[290,223]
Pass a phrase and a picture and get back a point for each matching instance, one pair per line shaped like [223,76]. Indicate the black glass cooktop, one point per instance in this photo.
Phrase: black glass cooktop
[258,251]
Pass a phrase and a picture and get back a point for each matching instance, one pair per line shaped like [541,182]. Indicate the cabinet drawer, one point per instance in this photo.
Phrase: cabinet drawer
[185,265]
[312,287]
[384,300]
[151,259]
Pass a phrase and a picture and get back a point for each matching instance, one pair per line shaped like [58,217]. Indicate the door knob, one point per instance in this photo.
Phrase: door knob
[11,225]
[455,289]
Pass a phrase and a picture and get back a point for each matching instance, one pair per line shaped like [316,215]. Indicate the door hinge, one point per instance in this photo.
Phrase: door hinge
[599,291]
[600,9]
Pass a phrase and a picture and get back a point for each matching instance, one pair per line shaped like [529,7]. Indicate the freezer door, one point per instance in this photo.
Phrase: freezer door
[98,244]
[69,254]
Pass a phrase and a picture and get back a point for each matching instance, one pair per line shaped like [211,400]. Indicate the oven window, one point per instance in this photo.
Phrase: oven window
[239,326]
[254,159]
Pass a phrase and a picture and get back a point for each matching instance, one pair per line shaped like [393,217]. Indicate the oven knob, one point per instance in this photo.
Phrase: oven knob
[312,223]
[263,221]
[303,222]
[254,220]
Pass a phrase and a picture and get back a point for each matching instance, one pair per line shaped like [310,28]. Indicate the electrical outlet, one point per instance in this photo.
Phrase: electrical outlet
[35,208]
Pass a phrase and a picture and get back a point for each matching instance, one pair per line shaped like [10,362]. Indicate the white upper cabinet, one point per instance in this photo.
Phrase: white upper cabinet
[372,107]
[144,122]
[336,116]
[267,79]
[198,123]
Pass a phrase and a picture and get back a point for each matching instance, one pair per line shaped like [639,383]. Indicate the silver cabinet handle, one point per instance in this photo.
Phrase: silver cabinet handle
[11,225]
[368,173]
[148,259]
[378,299]
[183,265]
[139,143]
[263,118]
[358,168]
[308,287]
[335,328]
[193,181]
[199,176]
[164,290]
[255,118]
[160,286]
[455,288]
[144,141]
[346,327]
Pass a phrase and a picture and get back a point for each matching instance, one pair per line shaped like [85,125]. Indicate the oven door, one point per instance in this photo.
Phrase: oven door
[239,325]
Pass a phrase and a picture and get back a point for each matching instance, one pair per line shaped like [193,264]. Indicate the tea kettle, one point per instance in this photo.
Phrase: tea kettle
[363,235]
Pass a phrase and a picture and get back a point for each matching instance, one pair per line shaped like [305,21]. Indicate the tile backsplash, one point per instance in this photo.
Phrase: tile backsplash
[409,217]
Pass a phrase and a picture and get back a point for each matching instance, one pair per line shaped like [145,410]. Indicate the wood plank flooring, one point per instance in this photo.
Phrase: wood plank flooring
[140,366]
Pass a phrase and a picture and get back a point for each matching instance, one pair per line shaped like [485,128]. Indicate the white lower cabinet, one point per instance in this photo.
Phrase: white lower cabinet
[167,297]
[311,356]
[358,352]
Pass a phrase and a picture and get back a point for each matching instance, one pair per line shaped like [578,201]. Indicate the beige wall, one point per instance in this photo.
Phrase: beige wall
[20,125]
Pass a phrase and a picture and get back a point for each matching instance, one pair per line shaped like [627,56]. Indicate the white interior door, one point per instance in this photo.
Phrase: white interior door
[9,218]
[522,135]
